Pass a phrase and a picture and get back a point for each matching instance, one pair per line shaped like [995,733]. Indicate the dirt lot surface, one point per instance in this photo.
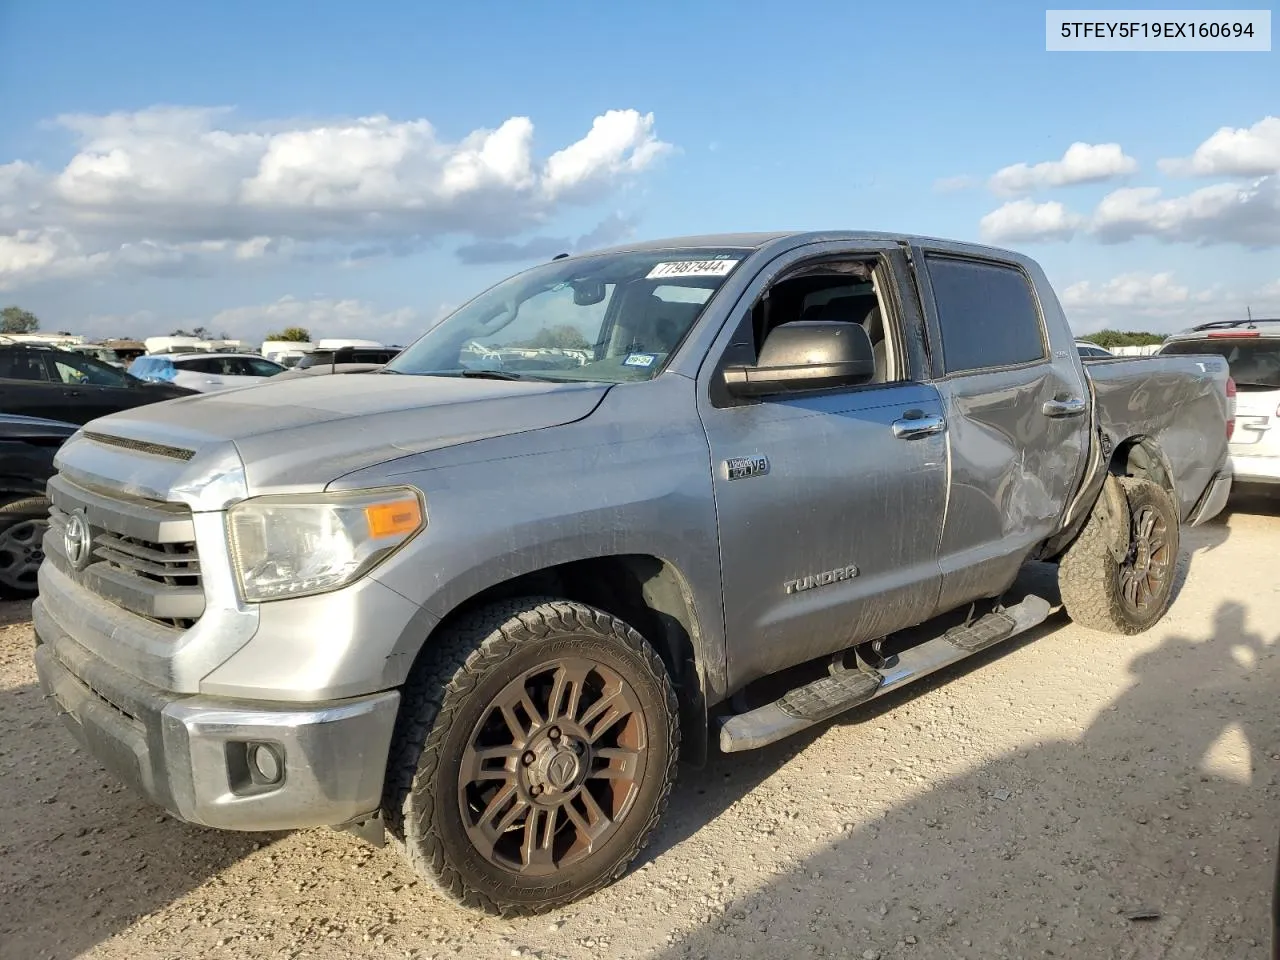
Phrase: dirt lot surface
[1019,806]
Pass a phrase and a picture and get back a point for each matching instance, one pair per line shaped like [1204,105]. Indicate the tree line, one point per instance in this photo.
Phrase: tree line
[1124,338]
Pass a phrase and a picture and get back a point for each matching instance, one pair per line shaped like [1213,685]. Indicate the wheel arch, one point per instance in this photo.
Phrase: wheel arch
[1135,456]
[650,594]
[1141,456]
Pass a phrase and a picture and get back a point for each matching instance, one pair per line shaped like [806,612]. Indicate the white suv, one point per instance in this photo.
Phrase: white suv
[1252,350]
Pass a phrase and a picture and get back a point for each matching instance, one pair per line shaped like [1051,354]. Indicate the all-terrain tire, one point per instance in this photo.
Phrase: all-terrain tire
[447,700]
[23,522]
[1093,583]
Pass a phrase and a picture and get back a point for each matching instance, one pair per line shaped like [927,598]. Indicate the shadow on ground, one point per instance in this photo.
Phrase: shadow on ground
[1198,786]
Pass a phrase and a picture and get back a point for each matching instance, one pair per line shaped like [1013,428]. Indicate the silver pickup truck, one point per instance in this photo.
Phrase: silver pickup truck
[617,509]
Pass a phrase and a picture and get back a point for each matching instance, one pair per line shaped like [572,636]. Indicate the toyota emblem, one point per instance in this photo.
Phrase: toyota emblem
[77,541]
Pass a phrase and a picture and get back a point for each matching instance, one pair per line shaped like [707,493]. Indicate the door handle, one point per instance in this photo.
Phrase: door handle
[1064,407]
[75,393]
[908,428]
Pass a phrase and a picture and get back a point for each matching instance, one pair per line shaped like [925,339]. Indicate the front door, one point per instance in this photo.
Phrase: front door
[829,508]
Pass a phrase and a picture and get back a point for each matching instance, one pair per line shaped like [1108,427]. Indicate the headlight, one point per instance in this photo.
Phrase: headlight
[295,546]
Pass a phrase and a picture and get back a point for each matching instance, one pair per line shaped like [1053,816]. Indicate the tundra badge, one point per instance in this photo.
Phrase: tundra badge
[821,579]
[739,468]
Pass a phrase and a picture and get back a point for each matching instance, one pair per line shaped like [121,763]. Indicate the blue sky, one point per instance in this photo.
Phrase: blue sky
[163,166]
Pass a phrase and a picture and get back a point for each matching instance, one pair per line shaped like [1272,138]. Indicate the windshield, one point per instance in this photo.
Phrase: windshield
[1253,362]
[610,318]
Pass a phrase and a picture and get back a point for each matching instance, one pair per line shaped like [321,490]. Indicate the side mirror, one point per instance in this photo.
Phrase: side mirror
[806,355]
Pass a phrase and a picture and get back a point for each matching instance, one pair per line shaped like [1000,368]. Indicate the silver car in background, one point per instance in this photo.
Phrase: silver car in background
[1252,352]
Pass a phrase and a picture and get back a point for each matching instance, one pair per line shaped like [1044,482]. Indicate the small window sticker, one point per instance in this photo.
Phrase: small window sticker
[719,267]
[640,360]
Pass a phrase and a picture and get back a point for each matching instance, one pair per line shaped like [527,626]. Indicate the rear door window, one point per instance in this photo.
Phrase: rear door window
[255,367]
[987,313]
[201,365]
[21,364]
[1254,362]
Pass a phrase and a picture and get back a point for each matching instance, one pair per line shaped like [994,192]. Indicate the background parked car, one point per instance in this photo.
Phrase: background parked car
[345,355]
[205,372]
[1252,350]
[1091,351]
[61,385]
[328,369]
[27,447]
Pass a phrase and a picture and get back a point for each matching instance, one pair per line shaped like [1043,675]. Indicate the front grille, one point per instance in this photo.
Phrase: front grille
[141,554]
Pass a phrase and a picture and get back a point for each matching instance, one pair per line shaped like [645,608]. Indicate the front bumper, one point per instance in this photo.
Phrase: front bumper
[192,755]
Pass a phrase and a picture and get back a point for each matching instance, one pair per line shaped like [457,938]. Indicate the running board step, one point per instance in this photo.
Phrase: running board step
[829,696]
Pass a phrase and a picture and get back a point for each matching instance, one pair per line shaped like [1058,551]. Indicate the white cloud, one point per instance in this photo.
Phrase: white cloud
[1233,152]
[174,186]
[1026,220]
[1159,302]
[323,317]
[955,184]
[1246,214]
[1082,163]
[1131,289]
[613,229]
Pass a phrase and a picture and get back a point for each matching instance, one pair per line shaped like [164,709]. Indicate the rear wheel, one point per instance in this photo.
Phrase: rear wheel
[1128,595]
[534,756]
[23,522]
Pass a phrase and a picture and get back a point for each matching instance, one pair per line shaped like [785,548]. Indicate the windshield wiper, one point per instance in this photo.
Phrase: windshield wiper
[497,375]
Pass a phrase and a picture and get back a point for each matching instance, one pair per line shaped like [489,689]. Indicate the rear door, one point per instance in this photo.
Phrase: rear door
[1018,414]
[1253,360]
[198,373]
[27,389]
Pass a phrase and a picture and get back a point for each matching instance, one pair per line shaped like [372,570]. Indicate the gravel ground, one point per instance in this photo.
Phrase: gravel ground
[1020,805]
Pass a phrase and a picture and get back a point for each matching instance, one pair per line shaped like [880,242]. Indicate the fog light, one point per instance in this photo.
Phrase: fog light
[264,763]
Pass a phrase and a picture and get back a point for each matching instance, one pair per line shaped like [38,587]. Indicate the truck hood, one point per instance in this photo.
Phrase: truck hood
[301,434]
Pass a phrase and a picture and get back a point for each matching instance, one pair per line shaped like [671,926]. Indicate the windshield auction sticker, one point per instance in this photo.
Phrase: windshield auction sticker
[1170,31]
[692,268]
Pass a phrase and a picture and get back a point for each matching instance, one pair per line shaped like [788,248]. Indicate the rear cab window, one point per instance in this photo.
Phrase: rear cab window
[987,312]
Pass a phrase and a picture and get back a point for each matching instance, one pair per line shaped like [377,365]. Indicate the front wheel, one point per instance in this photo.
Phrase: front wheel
[1127,595]
[23,522]
[534,755]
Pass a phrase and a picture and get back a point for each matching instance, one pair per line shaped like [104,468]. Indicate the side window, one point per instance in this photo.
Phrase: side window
[987,313]
[83,371]
[260,368]
[835,291]
[22,364]
[200,365]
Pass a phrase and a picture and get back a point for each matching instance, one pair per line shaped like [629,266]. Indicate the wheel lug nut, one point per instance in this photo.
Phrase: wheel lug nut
[554,733]
[528,757]
[536,790]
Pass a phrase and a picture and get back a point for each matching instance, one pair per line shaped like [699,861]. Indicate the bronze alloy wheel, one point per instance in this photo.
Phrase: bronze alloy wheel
[553,767]
[1149,563]
[533,756]
[1123,593]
